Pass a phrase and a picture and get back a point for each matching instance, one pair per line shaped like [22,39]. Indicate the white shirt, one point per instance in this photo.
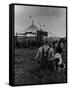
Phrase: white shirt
[58,55]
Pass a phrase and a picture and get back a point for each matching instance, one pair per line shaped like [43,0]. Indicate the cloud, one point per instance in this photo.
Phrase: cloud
[39,11]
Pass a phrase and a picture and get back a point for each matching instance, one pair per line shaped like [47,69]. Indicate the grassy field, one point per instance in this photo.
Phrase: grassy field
[24,68]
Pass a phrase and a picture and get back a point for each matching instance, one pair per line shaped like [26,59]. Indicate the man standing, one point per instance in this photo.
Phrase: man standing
[45,56]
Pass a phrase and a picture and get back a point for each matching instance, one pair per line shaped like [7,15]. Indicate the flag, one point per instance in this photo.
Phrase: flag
[43,25]
[30,17]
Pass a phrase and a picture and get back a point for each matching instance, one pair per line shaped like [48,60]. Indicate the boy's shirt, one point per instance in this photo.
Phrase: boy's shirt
[50,55]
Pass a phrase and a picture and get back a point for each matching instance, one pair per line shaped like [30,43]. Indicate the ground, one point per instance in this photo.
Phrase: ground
[24,69]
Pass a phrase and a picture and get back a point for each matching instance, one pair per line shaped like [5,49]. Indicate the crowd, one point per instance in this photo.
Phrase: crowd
[49,55]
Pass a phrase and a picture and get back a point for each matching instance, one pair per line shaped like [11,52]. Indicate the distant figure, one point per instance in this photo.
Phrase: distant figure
[56,44]
[51,44]
[61,44]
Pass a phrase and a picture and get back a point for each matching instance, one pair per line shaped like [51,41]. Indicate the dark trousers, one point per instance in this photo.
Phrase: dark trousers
[56,63]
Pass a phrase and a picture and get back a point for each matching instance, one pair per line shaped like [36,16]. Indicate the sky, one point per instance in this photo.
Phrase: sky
[53,18]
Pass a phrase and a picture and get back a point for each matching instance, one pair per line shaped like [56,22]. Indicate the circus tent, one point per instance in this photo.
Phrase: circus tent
[32,30]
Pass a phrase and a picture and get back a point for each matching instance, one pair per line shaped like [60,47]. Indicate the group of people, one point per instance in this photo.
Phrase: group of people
[50,57]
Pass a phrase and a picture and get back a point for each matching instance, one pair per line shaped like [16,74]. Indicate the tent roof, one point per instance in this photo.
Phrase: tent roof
[32,27]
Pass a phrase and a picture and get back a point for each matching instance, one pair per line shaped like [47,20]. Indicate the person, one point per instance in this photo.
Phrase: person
[45,60]
[58,59]
[45,56]
[61,44]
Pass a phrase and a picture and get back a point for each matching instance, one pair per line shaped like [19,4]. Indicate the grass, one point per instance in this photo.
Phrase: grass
[25,73]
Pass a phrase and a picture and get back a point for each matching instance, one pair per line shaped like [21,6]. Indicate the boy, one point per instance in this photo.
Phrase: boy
[58,59]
